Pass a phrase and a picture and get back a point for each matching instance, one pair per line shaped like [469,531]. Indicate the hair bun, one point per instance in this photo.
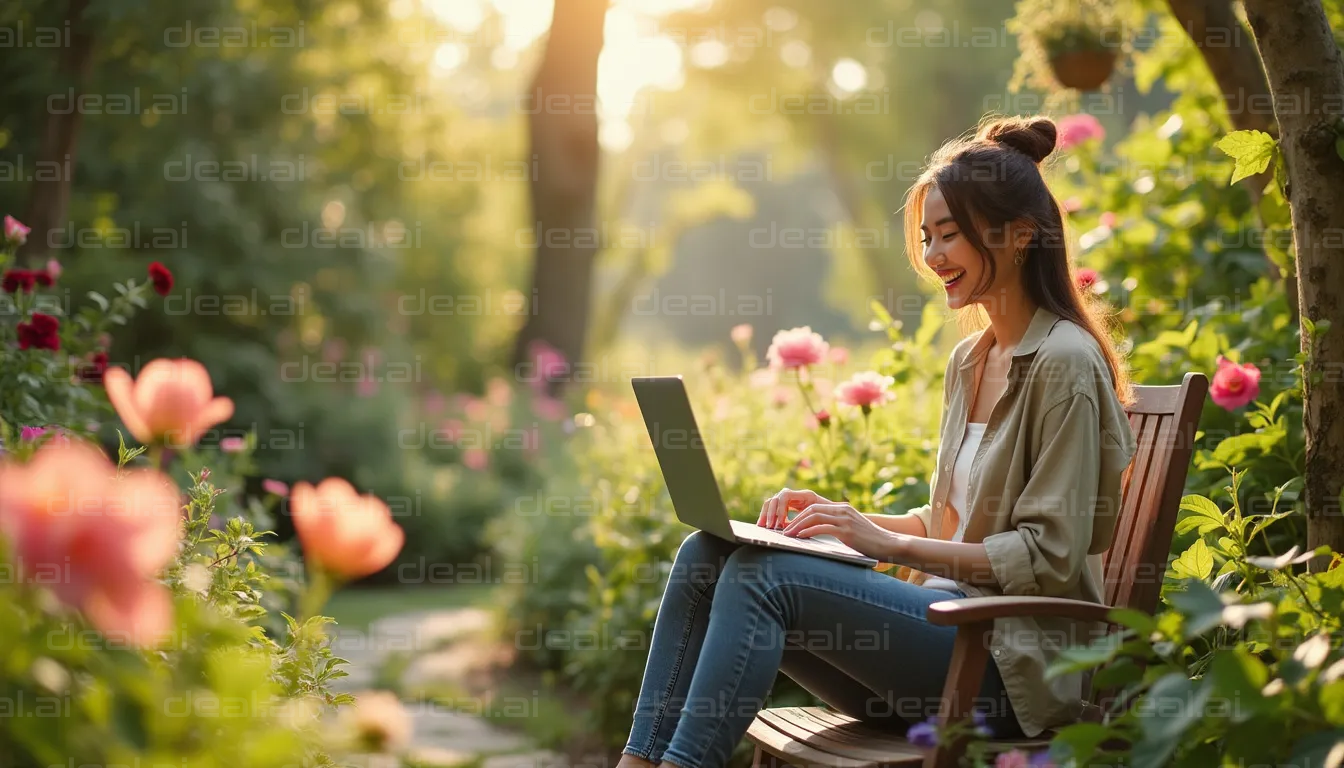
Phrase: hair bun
[1033,136]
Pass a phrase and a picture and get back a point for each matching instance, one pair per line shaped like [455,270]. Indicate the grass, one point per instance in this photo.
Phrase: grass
[358,608]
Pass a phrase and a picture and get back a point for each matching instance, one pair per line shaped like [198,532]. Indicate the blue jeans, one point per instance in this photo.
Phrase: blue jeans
[734,615]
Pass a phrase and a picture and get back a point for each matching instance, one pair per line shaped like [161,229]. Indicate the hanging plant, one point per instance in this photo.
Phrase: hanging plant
[1081,55]
[1069,44]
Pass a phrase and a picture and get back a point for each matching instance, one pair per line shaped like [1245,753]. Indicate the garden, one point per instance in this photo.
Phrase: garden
[318,444]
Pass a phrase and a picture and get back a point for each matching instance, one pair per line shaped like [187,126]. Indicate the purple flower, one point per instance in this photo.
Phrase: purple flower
[923,734]
[27,434]
[981,726]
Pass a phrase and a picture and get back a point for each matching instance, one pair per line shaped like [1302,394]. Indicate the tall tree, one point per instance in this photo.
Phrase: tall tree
[562,122]
[1305,71]
[49,198]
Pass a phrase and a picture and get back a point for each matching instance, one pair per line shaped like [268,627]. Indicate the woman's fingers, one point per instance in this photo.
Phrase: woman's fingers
[775,510]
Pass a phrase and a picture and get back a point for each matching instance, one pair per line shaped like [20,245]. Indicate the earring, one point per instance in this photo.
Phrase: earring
[1019,258]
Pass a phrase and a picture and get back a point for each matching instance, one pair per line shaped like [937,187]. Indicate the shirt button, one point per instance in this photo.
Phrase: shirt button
[998,651]
[938,504]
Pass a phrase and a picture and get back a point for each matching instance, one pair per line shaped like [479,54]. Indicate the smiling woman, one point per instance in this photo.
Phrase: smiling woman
[1034,399]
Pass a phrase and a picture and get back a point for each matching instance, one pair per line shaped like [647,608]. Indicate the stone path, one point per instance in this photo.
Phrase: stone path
[437,650]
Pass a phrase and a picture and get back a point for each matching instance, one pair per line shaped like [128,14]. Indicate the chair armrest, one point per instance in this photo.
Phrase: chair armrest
[969,610]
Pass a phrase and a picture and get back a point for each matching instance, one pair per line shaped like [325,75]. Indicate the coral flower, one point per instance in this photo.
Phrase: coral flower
[1234,385]
[797,348]
[172,401]
[96,541]
[343,532]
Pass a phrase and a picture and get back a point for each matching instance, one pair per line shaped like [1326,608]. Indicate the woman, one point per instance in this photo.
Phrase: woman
[1025,496]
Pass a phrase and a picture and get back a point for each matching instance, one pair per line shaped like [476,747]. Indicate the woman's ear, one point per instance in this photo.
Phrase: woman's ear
[1022,234]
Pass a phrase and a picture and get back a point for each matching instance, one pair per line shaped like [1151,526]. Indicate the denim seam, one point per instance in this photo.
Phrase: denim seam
[676,668]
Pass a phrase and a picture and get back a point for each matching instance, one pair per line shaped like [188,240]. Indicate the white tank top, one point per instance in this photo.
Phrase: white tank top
[956,495]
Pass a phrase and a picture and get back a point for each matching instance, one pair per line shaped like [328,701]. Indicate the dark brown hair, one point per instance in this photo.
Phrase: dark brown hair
[991,179]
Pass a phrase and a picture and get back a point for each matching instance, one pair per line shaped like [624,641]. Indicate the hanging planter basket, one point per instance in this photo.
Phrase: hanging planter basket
[1085,70]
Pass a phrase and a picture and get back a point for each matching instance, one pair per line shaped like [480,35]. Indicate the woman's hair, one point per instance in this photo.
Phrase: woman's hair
[990,180]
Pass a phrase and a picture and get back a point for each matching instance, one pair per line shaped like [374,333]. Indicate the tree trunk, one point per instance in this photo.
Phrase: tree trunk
[562,123]
[49,201]
[1306,76]
[1231,56]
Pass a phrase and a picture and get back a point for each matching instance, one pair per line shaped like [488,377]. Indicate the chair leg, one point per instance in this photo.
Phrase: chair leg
[762,759]
[965,676]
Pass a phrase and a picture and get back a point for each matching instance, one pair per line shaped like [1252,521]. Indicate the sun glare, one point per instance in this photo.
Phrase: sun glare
[634,57]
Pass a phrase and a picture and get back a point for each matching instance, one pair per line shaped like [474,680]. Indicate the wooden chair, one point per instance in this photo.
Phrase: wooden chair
[1164,421]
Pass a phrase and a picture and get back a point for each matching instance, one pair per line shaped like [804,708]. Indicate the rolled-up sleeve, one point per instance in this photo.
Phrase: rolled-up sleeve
[1046,549]
[925,514]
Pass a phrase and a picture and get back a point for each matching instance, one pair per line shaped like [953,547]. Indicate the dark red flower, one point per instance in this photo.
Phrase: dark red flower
[92,371]
[161,278]
[43,278]
[40,332]
[15,280]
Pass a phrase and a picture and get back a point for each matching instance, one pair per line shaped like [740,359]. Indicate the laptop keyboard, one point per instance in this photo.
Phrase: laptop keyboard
[760,533]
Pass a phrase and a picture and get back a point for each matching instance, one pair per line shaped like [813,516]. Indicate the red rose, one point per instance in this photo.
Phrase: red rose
[43,278]
[40,332]
[15,280]
[92,371]
[161,278]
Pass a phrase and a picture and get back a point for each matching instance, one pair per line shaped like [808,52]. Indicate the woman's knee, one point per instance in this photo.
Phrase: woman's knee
[700,558]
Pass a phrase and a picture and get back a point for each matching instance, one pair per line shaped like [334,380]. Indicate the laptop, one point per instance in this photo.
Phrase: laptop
[690,478]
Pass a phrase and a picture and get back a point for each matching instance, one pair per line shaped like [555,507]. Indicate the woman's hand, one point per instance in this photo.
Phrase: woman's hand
[775,510]
[849,526]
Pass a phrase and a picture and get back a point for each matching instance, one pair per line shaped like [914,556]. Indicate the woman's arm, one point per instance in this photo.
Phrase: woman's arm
[949,559]
[910,523]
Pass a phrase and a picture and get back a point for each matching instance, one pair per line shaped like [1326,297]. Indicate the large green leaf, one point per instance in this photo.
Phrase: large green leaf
[1253,151]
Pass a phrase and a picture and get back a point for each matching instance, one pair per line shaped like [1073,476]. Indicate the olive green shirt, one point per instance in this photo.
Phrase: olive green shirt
[1043,497]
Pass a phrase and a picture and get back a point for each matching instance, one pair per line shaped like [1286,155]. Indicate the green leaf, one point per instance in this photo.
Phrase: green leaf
[1200,605]
[1205,516]
[1174,703]
[1253,151]
[1319,750]
[1196,562]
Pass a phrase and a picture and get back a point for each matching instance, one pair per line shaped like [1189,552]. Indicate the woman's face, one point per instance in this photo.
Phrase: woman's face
[952,257]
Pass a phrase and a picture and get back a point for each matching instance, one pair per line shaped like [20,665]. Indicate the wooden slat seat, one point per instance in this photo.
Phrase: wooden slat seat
[1164,421]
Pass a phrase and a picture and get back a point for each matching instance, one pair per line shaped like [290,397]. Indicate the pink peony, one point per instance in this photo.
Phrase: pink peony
[1076,129]
[549,408]
[1086,277]
[864,390]
[15,233]
[1234,385]
[549,363]
[1012,759]
[797,348]
[476,459]
[96,540]
[275,487]
[741,334]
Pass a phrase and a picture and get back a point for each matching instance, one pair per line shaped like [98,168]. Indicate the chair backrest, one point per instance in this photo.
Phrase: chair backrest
[1164,421]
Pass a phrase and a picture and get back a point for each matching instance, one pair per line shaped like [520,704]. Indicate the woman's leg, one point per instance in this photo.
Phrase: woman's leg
[678,635]
[867,625]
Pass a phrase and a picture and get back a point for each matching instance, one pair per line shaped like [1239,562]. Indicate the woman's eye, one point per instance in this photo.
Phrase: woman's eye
[950,235]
